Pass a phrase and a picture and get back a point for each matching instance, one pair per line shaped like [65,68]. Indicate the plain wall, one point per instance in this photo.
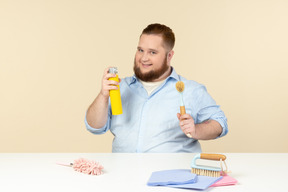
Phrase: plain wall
[53,54]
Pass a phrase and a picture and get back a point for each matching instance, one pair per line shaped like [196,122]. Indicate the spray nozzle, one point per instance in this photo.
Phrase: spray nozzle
[113,70]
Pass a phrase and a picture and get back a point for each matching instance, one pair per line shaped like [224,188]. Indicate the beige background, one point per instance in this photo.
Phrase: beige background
[53,53]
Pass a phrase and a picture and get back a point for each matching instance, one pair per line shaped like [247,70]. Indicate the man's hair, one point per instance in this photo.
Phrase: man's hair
[166,33]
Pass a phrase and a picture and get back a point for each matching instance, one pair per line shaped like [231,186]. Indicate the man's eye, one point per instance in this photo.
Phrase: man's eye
[153,53]
[140,50]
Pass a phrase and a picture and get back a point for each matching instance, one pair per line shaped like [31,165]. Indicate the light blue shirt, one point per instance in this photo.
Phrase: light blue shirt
[150,123]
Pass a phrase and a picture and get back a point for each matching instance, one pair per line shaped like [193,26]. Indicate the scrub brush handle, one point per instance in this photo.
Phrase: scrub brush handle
[216,157]
[182,110]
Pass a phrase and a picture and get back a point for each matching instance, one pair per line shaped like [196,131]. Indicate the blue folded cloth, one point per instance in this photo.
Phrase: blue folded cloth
[172,177]
[203,182]
[181,178]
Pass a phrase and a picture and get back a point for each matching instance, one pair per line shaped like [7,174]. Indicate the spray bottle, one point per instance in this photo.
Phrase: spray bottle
[115,97]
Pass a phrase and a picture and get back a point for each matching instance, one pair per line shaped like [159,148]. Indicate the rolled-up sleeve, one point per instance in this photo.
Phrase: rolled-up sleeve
[208,109]
[222,120]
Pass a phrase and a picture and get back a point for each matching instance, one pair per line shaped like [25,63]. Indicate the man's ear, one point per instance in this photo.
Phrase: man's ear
[170,55]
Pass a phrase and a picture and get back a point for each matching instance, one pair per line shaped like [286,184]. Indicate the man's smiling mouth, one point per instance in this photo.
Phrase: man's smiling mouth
[146,65]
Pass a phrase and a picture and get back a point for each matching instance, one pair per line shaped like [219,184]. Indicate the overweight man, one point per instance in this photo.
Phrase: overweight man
[151,122]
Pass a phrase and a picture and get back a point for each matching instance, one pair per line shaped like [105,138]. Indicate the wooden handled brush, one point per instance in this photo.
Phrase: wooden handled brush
[180,88]
[216,157]
[209,171]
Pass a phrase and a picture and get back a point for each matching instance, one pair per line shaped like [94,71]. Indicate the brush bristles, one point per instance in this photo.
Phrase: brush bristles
[180,86]
[204,172]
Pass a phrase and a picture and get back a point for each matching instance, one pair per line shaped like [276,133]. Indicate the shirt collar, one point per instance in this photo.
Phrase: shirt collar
[173,75]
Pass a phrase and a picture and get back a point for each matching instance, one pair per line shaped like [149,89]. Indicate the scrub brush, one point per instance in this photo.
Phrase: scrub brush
[180,88]
[209,171]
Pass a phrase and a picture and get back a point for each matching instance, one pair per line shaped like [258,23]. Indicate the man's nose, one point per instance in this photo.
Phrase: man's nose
[144,57]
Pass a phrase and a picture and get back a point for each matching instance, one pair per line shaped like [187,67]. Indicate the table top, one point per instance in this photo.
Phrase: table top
[131,171]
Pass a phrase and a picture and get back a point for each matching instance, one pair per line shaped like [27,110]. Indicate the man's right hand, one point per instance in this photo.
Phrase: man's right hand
[107,84]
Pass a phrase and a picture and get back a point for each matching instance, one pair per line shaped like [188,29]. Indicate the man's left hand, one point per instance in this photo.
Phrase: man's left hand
[187,124]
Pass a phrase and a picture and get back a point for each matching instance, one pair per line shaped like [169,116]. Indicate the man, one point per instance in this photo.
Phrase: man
[150,101]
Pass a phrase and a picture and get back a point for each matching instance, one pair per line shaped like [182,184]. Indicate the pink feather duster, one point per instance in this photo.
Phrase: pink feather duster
[86,166]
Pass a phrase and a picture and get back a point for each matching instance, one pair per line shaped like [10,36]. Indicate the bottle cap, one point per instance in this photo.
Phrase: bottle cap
[113,70]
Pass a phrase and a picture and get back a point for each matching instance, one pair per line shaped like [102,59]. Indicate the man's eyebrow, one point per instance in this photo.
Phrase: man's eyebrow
[155,50]
[151,50]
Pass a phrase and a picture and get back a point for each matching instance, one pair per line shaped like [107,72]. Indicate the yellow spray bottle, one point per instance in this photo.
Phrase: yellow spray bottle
[115,97]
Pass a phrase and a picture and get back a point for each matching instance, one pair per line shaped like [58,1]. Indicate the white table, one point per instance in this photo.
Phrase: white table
[130,172]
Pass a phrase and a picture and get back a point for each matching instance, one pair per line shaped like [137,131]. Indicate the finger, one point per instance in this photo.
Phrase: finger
[186,122]
[178,116]
[109,75]
[106,71]
[111,87]
[107,83]
[184,130]
[186,126]
[185,116]
[187,132]
[111,82]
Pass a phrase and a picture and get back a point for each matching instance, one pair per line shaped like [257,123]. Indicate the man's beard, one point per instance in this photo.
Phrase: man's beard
[151,75]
